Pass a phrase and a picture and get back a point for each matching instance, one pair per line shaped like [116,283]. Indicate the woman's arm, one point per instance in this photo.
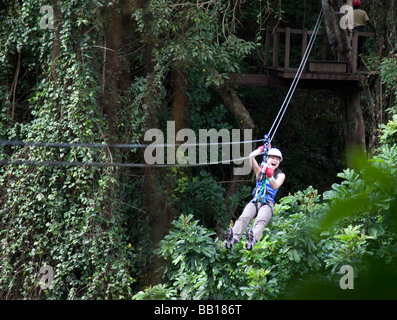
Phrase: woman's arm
[276,183]
[254,164]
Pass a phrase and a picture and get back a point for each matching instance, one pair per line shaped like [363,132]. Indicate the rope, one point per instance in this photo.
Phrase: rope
[115,145]
[298,74]
[110,164]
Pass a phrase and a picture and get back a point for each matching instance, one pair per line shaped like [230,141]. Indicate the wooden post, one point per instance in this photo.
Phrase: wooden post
[267,45]
[304,41]
[276,41]
[354,51]
[287,48]
[324,48]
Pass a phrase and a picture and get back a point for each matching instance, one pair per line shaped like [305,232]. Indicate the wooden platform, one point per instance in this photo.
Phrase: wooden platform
[326,66]
[325,73]
[279,78]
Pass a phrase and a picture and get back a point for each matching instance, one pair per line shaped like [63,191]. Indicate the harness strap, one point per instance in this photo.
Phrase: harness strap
[266,203]
[260,190]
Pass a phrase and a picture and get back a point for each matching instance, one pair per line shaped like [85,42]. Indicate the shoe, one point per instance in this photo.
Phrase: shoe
[250,239]
[229,238]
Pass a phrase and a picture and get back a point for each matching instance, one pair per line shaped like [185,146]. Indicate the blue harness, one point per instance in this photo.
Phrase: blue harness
[263,191]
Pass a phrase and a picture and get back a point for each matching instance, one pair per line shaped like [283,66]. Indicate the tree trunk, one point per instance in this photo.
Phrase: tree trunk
[158,210]
[339,38]
[56,44]
[354,125]
[178,96]
[353,117]
[113,68]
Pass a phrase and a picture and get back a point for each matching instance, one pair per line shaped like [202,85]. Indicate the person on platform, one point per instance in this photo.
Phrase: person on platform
[360,21]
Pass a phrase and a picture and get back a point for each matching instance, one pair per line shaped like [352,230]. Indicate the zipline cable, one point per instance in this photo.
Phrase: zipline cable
[298,74]
[115,145]
[111,164]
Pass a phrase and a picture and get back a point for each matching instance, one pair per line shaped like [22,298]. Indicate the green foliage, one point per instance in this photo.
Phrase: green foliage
[389,136]
[199,268]
[59,216]
[191,37]
[79,219]
[208,199]
[388,71]
[158,292]
[88,81]
[191,250]
[347,247]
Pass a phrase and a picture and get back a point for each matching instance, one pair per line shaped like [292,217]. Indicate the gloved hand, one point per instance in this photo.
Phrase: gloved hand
[261,148]
[269,172]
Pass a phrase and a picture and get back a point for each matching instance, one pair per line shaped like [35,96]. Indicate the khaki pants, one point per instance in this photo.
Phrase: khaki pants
[263,216]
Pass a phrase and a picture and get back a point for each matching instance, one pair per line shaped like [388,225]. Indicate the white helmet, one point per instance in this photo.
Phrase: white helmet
[275,152]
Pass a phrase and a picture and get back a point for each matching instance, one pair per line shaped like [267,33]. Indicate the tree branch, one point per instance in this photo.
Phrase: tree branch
[234,104]
[14,85]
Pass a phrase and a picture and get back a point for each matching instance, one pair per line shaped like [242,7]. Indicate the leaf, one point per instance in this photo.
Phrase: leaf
[294,255]
[376,231]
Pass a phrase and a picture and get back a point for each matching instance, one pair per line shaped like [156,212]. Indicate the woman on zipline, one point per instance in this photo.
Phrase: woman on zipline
[269,179]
